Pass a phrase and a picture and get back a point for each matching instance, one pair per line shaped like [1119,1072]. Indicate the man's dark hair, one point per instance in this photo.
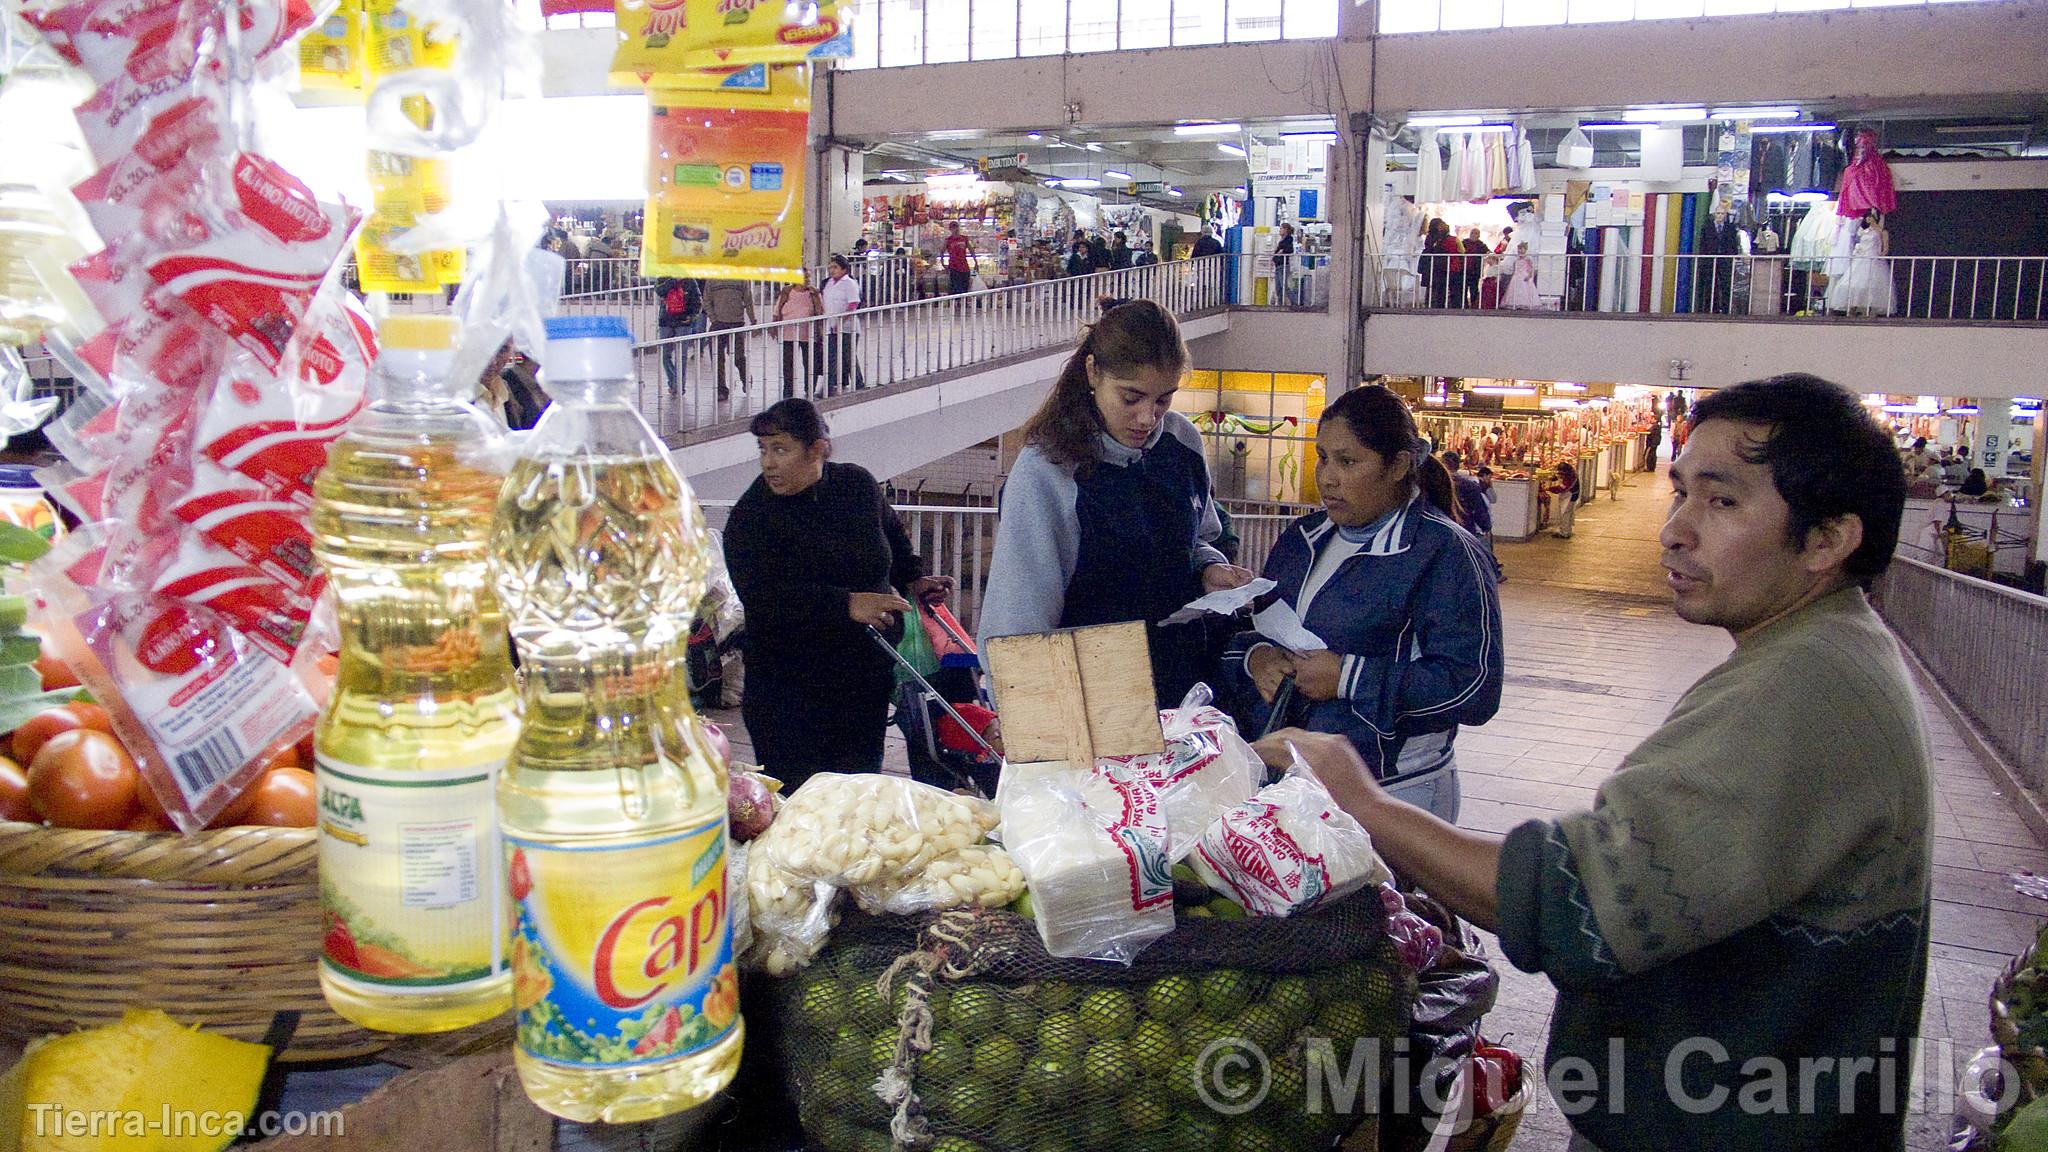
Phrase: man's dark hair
[1452,460]
[1827,458]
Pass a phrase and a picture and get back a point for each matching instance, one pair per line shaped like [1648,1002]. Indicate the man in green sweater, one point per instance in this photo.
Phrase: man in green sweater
[1738,928]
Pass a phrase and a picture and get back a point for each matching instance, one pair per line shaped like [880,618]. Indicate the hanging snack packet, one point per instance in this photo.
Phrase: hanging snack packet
[276,433]
[263,531]
[1287,849]
[331,54]
[726,178]
[663,38]
[261,609]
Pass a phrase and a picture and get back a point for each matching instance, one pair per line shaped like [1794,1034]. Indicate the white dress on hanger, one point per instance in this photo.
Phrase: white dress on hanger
[1866,287]
[1475,185]
[1454,171]
[1429,169]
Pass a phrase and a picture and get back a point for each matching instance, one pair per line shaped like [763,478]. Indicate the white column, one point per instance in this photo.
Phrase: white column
[1994,435]
[838,178]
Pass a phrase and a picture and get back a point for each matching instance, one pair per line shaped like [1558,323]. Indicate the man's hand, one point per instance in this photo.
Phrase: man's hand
[1218,577]
[932,589]
[875,609]
[1316,674]
[1269,666]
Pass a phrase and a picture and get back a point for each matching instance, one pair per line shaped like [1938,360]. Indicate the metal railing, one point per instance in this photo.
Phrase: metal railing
[884,280]
[705,379]
[1987,645]
[1979,289]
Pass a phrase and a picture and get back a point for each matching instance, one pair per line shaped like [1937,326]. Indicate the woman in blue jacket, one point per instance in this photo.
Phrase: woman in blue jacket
[1107,515]
[1402,595]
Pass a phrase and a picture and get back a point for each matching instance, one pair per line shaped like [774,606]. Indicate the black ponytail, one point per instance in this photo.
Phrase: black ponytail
[1131,335]
[1435,481]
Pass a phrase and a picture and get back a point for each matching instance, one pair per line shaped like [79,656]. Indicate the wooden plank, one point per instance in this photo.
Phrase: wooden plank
[1116,681]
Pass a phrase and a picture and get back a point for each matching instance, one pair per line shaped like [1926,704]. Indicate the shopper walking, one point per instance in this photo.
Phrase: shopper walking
[841,294]
[1564,495]
[1402,597]
[1746,902]
[1108,515]
[818,557]
[803,309]
[1283,264]
[728,305]
[1476,252]
[1652,441]
[1119,252]
[959,262]
[1443,263]
[682,314]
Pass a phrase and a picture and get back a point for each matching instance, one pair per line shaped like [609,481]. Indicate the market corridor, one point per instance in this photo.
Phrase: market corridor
[1595,659]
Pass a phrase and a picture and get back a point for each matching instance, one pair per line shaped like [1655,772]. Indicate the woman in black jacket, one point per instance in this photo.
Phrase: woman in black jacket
[818,558]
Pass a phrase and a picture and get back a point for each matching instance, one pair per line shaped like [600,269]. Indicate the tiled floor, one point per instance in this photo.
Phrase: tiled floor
[1595,659]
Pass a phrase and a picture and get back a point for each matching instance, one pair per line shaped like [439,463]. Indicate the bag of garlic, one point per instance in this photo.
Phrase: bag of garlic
[1094,846]
[1287,849]
[851,830]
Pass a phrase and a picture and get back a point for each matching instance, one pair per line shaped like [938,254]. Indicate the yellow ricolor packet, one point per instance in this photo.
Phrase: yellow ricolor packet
[725,172]
[661,38]
[331,54]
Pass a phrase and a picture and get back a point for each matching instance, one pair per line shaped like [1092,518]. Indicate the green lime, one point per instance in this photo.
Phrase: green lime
[1225,992]
[998,1059]
[1263,1025]
[1172,998]
[850,1051]
[1184,1079]
[1053,1144]
[1055,995]
[975,1011]
[1249,1136]
[947,1062]
[1143,1112]
[954,1144]
[1199,1034]
[1061,1034]
[836,1090]
[1224,908]
[1185,873]
[833,1134]
[881,1051]
[1199,912]
[1289,1089]
[1196,1130]
[1023,906]
[1052,1077]
[823,1005]
[1108,1012]
[971,1104]
[1377,996]
[1100,1124]
[864,1006]
[1342,1023]
[1020,1018]
[1107,1070]
[1020,1123]
[1295,999]
[1154,1047]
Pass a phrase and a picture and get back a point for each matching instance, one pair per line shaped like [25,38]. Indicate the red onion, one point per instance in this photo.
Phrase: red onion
[749,806]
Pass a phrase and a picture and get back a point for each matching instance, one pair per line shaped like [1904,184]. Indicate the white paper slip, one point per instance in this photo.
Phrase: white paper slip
[1279,624]
[1222,603]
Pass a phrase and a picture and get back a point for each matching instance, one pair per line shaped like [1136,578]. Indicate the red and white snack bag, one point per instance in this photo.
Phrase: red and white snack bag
[1093,844]
[154,468]
[253,272]
[1206,770]
[261,609]
[276,431]
[103,37]
[81,493]
[256,526]
[200,707]
[1287,849]
[148,188]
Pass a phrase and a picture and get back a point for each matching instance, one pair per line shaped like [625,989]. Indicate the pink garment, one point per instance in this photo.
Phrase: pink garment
[1867,182]
[802,304]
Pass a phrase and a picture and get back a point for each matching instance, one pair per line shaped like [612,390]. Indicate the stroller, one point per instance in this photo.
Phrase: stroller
[922,701]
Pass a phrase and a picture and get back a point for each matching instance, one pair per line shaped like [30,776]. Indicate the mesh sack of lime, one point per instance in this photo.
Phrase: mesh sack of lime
[958,1032]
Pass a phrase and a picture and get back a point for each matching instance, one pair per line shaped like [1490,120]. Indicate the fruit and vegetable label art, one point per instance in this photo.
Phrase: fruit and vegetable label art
[420,849]
[674,36]
[725,179]
[622,956]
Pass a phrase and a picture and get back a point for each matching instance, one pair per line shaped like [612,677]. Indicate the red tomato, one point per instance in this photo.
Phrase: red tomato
[148,822]
[83,779]
[237,811]
[14,803]
[29,738]
[282,798]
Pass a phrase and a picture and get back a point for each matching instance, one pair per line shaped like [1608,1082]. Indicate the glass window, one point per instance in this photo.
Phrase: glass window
[945,31]
[1818,5]
[1531,13]
[1739,7]
[995,29]
[1198,21]
[866,37]
[1147,23]
[902,32]
[1091,26]
[1669,9]
[1044,26]
[1601,11]
[1408,15]
[1253,20]
[1462,14]
[1307,19]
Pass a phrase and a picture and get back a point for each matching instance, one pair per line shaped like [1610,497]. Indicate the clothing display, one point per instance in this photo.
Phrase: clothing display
[1521,291]
[1429,169]
[1401,245]
[1814,238]
[1866,287]
[1867,184]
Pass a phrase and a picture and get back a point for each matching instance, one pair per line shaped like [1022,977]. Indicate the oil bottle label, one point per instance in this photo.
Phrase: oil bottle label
[410,875]
[622,955]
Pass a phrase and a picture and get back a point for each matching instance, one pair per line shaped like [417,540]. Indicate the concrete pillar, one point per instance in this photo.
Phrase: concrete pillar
[838,177]
[1347,190]
[1994,436]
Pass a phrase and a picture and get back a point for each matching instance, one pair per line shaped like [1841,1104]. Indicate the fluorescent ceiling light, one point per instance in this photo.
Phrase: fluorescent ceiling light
[1442,121]
[1502,390]
[1610,127]
[1566,386]
[1775,112]
[1113,174]
[1034,135]
[1663,115]
[1331,136]
[1174,192]
[1206,129]
[1809,197]
[1912,409]
[1963,410]
[1768,128]
[1094,147]
[1554,401]
[1233,149]
[1080,182]
[950,179]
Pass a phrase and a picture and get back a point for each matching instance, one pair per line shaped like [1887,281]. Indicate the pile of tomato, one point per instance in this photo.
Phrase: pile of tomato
[68,768]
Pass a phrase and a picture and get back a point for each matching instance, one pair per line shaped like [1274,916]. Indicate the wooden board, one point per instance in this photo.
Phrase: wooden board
[1076,695]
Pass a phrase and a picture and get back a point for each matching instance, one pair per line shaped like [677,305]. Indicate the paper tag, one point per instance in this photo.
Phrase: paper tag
[1224,603]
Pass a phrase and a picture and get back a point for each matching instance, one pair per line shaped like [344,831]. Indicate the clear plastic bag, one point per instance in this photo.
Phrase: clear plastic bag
[791,918]
[867,828]
[1286,849]
[1093,845]
[983,876]
[1206,770]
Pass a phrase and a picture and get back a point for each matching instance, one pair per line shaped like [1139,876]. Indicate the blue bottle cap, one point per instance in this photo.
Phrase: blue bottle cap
[588,328]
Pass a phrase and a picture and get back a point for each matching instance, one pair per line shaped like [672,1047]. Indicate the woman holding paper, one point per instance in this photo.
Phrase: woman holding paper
[1107,515]
[1387,630]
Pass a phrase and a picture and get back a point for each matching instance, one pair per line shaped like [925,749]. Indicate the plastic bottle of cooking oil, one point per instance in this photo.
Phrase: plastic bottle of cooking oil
[613,807]
[425,707]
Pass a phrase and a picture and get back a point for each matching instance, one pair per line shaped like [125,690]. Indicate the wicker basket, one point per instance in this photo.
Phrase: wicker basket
[221,929]
[1496,1130]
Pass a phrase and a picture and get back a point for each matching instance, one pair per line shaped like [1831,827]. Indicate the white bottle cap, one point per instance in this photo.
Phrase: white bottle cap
[588,348]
